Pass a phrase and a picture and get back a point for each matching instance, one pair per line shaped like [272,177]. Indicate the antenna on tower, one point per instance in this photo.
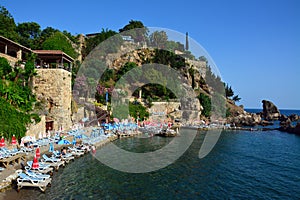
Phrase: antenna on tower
[187,41]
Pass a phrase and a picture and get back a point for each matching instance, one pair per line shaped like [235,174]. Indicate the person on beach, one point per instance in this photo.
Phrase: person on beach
[93,150]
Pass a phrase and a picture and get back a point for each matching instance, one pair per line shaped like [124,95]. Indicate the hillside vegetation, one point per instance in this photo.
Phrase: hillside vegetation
[17,97]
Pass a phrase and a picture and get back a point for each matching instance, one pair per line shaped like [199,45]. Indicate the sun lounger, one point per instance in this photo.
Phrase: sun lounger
[53,162]
[67,158]
[25,180]
[37,174]
[26,149]
[43,168]
[50,159]
[12,152]
[76,152]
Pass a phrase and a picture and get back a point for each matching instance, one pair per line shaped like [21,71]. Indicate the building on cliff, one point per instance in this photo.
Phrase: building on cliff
[52,85]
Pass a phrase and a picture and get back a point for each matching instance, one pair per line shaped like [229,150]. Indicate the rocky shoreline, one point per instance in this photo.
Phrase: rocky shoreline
[267,117]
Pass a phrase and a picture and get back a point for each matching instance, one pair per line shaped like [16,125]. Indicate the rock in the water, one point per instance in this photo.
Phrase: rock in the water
[294,117]
[285,123]
[283,117]
[291,129]
[270,111]
[266,123]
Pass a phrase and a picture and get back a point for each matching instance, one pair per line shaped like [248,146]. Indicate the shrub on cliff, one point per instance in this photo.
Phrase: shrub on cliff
[205,102]
[16,99]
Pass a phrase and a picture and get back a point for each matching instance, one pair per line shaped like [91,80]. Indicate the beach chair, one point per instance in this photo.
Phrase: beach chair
[57,154]
[25,180]
[26,149]
[76,152]
[50,159]
[37,174]
[53,162]
[67,157]
[3,155]
[9,153]
[34,180]
[43,168]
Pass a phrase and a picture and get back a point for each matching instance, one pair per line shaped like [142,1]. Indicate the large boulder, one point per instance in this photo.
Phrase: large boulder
[294,117]
[285,123]
[245,119]
[291,129]
[270,111]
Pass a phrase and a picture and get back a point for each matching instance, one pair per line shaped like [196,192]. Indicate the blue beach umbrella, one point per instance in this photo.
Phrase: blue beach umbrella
[64,142]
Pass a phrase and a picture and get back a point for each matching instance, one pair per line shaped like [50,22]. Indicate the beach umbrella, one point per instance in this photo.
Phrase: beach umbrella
[64,142]
[35,164]
[2,142]
[13,140]
[37,153]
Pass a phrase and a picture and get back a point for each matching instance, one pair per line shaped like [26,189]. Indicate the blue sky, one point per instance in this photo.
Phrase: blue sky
[254,43]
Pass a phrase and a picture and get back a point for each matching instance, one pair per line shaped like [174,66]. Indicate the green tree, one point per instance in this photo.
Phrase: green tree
[168,58]
[29,33]
[107,75]
[137,110]
[93,42]
[48,32]
[236,98]
[205,101]
[7,25]
[71,37]
[136,30]
[172,46]
[125,68]
[159,39]
[228,91]
[5,68]
[45,34]
[192,74]
[16,98]
[58,41]
[13,124]
[214,81]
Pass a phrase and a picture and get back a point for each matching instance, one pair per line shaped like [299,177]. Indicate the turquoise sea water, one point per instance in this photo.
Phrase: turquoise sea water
[242,165]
